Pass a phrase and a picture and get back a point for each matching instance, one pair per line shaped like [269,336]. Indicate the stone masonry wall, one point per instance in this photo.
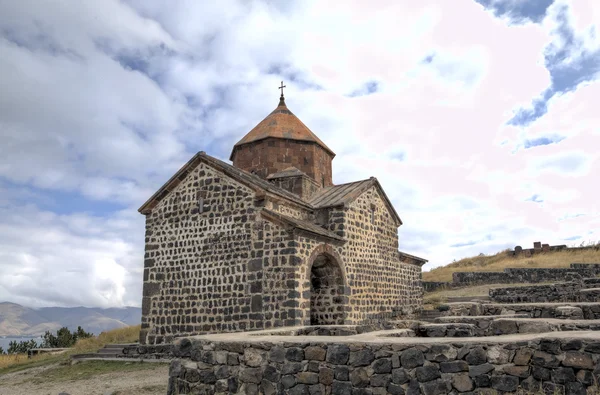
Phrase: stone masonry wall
[336,367]
[273,155]
[381,287]
[561,292]
[196,261]
[524,275]
[224,268]
[220,270]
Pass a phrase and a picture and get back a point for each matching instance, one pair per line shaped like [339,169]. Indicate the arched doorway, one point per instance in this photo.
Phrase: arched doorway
[326,291]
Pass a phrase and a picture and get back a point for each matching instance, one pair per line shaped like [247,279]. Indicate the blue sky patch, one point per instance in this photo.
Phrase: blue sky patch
[569,66]
[535,198]
[518,11]
[530,143]
[368,88]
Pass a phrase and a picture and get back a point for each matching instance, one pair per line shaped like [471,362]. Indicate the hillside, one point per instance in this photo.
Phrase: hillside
[17,320]
[500,261]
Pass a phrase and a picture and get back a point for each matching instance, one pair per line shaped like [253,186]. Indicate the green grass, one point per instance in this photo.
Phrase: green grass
[86,369]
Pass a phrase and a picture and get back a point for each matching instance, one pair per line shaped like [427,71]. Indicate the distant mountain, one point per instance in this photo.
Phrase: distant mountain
[17,320]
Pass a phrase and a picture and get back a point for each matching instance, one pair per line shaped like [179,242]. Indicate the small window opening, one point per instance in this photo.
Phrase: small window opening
[323,181]
[201,198]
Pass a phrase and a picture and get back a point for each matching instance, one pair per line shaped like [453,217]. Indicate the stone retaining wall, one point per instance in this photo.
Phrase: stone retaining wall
[556,365]
[587,311]
[562,292]
[430,286]
[148,351]
[526,275]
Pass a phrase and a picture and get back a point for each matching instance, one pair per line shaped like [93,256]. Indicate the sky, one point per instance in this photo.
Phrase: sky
[479,118]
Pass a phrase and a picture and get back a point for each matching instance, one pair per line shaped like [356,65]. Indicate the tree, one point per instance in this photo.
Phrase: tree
[1,350]
[21,347]
[64,337]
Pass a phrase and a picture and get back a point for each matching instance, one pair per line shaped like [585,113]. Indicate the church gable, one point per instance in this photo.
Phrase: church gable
[345,194]
[252,182]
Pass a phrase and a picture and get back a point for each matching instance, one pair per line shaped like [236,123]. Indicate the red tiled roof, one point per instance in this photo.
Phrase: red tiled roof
[283,124]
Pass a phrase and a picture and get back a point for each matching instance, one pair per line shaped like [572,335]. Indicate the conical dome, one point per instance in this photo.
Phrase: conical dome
[283,124]
[281,141]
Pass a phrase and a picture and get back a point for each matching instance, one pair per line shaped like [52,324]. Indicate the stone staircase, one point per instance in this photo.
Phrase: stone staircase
[429,315]
[109,351]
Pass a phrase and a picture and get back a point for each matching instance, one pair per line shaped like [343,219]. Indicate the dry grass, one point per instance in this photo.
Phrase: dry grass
[442,295]
[129,334]
[14,362]
[500,261]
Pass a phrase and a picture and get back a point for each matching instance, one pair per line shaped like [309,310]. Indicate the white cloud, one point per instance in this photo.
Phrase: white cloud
[107,102]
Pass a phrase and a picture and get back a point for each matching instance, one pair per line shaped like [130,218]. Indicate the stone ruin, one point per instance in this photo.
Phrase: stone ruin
[532,339]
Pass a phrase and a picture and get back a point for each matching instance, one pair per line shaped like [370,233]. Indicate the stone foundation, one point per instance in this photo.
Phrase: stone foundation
[562,292]
[575,272]
[351,365]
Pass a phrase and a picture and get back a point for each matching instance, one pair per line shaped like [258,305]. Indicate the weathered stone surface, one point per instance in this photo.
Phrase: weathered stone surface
[441,353]
[477,356]
[462,382]
[519,371]
[540,373]
[562,375]
[427,373]
[295,354]
[341,388]
[578,360]
[338,354]
[300,389]
[250,375]
[307,378]
[359,377]
[585,377]
[326,376]
[545,360]
[412,358]
[362,357]
[454,367]
[480,369]
[505,383]
[395,389]
[400,376]
[523,356]
[499,355]
[437,387]
[383,365]
[380,380]
[288,381]
[313,353]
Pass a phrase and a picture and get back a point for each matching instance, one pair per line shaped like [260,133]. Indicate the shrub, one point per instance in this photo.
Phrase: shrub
[443,307]
[21,347]
[64,337]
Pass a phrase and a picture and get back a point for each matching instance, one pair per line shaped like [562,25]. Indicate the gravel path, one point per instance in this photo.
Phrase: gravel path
[144,382]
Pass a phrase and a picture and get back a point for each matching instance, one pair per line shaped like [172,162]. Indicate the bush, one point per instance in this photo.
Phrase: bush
[1,350]
[443,307]
[64,338]
[21,347]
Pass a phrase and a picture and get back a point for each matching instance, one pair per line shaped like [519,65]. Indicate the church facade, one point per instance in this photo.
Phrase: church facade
[271,241]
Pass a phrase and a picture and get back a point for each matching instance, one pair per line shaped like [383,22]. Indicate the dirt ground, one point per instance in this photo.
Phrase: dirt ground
[34,381]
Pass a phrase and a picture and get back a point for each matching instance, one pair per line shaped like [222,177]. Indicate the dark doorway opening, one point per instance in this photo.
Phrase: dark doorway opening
[326,292]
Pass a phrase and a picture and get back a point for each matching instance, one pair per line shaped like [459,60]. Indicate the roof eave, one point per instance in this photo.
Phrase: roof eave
[240,144]
[203,157]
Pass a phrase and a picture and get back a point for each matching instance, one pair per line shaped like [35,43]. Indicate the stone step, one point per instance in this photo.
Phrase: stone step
[120,345]
[118,351]
[93,355]
[459,299]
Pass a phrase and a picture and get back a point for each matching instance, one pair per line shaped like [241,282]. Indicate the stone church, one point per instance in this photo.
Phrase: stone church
[271,241]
